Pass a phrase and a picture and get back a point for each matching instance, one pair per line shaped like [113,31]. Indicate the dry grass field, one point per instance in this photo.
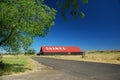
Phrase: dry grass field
[112,57]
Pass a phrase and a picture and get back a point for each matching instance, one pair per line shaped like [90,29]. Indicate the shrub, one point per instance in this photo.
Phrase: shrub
[30,52]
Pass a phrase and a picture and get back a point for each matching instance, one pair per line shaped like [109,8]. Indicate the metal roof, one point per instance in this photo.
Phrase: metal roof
[60,49]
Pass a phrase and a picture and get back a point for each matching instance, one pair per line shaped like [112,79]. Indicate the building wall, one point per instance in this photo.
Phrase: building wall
[76,53]
[62,53]
[55,53]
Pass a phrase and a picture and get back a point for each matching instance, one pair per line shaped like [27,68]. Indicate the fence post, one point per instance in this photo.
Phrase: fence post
[83,55]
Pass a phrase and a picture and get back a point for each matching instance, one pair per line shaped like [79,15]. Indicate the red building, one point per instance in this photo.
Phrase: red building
[60,50]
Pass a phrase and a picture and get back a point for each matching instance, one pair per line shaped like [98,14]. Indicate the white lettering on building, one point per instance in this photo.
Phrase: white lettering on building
[55,48]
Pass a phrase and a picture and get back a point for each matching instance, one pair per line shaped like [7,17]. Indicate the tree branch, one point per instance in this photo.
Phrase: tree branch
[7,38]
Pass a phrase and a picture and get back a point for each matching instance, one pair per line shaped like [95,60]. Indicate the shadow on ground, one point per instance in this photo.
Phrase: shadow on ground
[7,69]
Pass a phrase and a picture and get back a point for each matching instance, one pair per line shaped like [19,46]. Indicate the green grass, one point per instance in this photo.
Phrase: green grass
[15,64]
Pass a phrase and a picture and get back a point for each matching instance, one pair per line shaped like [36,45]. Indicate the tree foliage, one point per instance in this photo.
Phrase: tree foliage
[23,20]
[30,52]
[71,6]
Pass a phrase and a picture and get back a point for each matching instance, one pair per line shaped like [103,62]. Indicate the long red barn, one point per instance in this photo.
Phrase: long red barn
[60,50]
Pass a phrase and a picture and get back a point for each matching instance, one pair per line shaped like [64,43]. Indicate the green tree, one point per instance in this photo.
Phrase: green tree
[30,52]
[23,20]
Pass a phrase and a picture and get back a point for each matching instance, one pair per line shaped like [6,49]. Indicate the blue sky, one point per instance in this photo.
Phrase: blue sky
[99,30]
